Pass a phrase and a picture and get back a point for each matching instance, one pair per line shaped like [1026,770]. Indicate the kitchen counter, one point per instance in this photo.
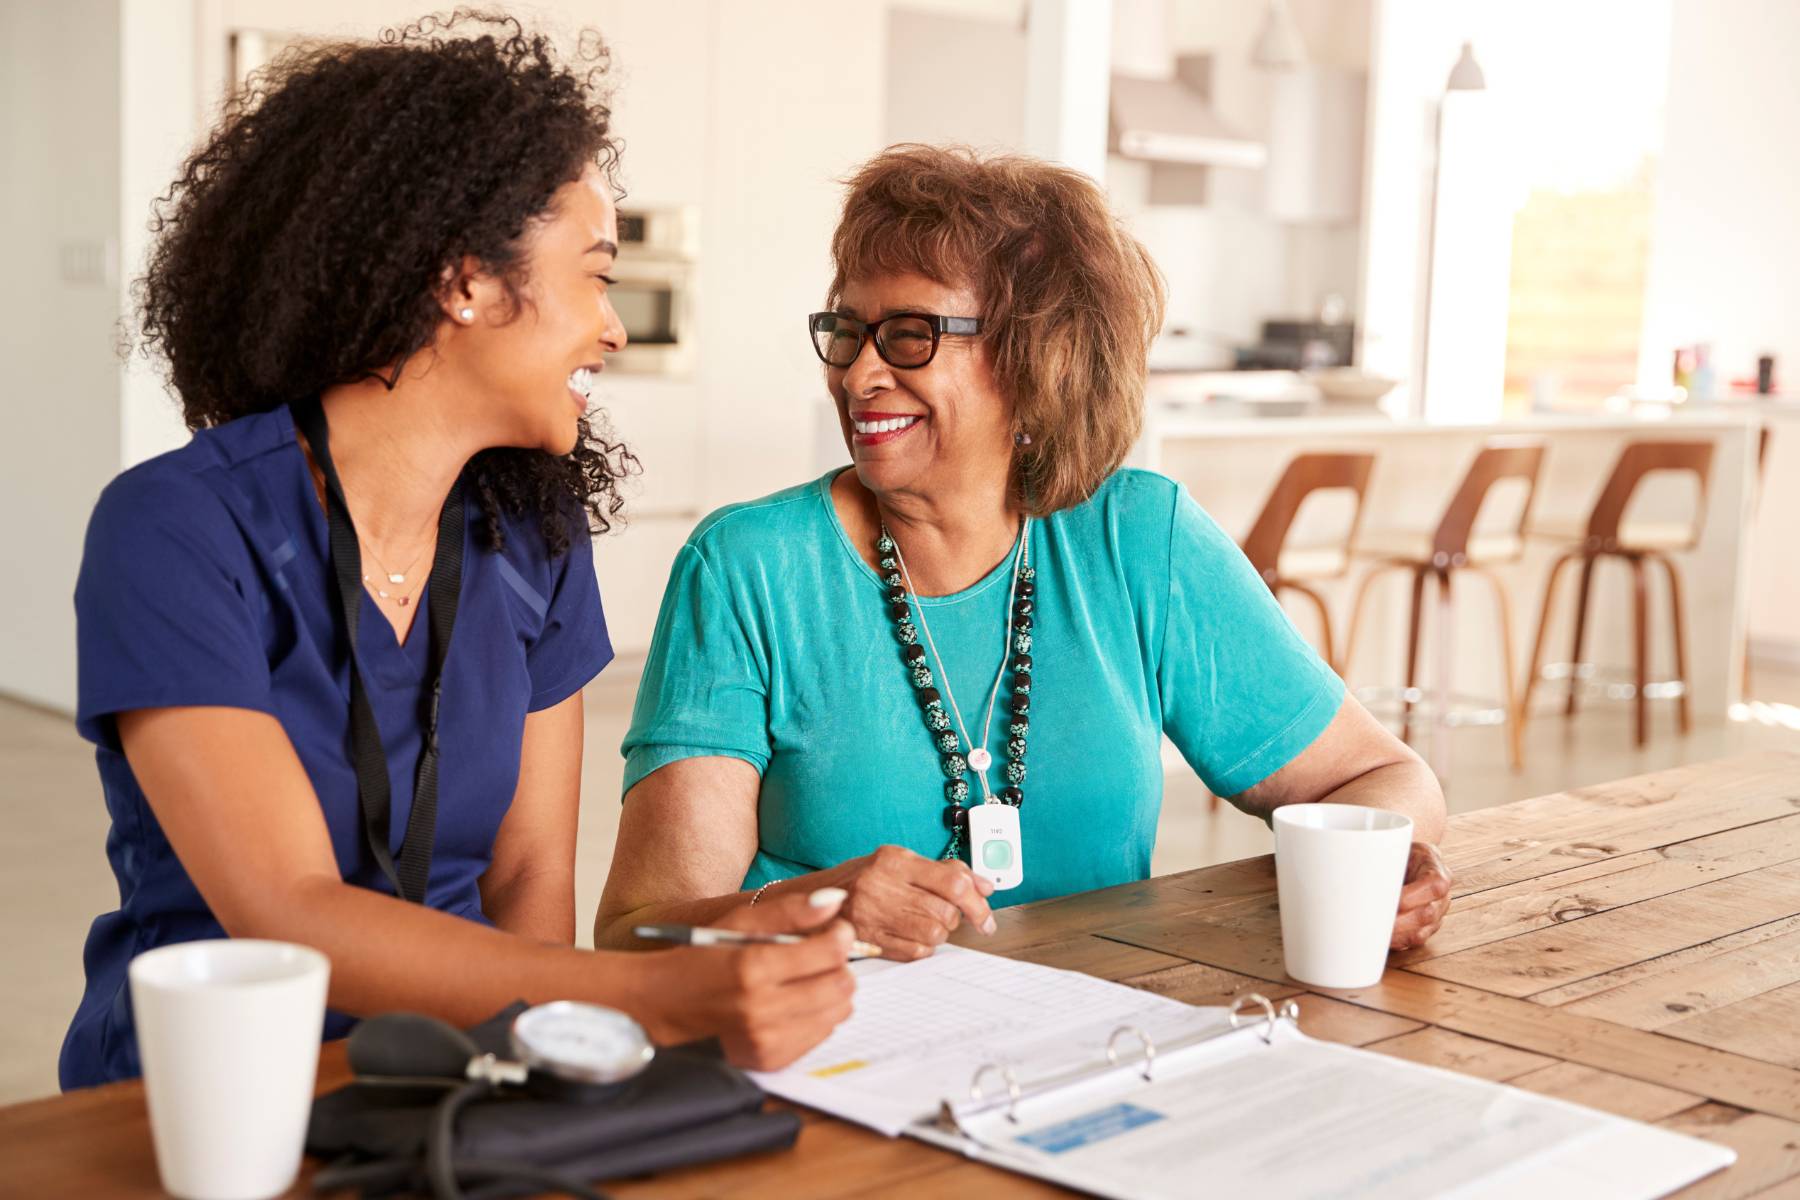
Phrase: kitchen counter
[1166,421]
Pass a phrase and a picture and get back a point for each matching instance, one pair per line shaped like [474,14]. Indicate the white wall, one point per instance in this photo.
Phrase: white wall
[159,108]
[59,200]
[1725,245]
[952,77]
[1725,253]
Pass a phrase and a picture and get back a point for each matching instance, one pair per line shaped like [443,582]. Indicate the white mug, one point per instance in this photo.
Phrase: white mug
[228,1031]
[1339,869]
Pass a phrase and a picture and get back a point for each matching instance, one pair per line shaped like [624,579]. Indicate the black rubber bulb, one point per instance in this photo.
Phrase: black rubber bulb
[410,1044]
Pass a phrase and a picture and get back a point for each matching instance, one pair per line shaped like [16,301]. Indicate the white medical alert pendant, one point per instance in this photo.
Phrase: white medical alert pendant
[995,850]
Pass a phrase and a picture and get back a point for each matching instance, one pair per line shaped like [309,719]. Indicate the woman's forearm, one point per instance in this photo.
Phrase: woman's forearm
[1404,787]
[614,922]
[389,955]
[538,906]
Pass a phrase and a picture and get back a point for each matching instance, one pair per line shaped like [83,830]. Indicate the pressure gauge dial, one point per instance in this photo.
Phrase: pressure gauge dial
[581,1043]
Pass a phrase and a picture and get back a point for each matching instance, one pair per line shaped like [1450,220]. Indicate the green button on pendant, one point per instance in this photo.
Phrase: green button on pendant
[996,853]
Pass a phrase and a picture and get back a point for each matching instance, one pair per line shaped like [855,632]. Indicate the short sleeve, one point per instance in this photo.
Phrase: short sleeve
[168,605]
[703,692]
[573,646]
[1243,693]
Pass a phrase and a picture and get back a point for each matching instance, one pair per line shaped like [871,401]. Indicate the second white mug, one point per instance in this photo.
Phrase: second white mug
[228,1031]
[1339,869]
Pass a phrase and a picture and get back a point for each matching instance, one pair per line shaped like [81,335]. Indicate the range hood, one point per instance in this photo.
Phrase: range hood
[1169,120]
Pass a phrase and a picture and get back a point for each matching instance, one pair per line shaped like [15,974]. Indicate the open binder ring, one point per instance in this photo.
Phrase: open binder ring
[1012,1088]
[1112,1047]
[1260,1001]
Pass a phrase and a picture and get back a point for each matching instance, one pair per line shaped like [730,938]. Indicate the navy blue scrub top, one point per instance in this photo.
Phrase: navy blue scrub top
[206,581]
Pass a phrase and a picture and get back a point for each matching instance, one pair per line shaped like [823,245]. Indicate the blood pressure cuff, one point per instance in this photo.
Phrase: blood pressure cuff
[687,1107]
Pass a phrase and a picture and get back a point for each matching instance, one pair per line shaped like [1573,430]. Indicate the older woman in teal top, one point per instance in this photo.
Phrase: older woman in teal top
[983,608]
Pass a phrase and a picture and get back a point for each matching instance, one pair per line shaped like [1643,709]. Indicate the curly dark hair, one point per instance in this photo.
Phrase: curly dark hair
[303,245]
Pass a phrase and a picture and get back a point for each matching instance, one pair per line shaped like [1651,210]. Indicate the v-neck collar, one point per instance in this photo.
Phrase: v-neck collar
[385,659]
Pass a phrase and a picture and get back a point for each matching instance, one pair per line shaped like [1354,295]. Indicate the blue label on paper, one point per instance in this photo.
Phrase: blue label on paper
[1089,1128]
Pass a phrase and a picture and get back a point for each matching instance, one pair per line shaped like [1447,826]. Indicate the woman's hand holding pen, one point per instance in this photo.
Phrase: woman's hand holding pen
[767,1004]
[909,905]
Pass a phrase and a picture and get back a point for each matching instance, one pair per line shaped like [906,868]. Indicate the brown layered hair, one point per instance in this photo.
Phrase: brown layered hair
[1069,299]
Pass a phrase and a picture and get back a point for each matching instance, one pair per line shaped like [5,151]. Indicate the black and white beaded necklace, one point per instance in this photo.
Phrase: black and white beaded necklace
[1017,656]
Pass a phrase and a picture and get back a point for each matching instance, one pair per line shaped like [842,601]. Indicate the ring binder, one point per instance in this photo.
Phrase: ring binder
[1289,1010]
[1237,1099]
[1012,1087]
[1112,1047]
[951,1115]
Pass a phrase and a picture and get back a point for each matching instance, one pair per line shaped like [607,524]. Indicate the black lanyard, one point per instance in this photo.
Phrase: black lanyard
[413,870]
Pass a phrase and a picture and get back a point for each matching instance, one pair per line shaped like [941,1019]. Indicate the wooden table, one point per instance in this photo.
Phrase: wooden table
[1633,946]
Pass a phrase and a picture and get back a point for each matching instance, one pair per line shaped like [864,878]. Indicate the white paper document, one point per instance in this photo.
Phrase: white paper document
[1263,1111]
[1306,1119]
[921,1029]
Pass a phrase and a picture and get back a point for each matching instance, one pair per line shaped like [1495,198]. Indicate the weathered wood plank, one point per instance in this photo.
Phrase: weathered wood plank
[1767,1025]
[1464,1054]
[1497,846]
[1701,982]
[1332,1020]
[1768,1150]
[1533,962]
[1679,960]
[1088,912]
[1097,956]
[1616,1094]
[1590,888]
[1716,1074]
[1248,945]
[1195,983]
[964,1180]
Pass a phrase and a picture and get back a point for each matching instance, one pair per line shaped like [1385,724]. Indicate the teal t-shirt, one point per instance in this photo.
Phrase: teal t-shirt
[775,645]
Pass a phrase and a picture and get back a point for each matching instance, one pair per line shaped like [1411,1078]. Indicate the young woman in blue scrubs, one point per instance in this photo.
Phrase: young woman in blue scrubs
[381,291]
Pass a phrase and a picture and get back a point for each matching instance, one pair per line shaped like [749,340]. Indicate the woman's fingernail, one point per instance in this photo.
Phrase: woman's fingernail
[988,925]
[828,897]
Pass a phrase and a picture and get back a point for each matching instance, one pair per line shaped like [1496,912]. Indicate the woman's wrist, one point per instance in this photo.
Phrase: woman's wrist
[631,981]
[809,882]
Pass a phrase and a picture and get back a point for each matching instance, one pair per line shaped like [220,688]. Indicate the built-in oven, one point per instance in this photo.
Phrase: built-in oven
[654,295]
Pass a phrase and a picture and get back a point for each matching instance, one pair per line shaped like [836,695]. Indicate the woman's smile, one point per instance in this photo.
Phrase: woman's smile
[875,428]
[581,384]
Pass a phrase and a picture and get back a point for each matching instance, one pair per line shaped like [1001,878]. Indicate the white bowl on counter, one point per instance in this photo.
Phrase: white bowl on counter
[1349,387]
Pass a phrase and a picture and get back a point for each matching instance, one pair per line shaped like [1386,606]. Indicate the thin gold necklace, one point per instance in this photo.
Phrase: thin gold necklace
[404,599]
[398,577]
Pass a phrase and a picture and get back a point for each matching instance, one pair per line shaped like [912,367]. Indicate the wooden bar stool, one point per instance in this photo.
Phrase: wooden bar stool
[1762,470]
[1604,536]
[1296,567]
[1453,546]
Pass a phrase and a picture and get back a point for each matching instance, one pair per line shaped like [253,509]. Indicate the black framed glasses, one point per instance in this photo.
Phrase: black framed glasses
[905,340]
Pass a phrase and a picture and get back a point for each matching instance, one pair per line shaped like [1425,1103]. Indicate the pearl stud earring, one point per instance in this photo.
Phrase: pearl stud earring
[1021,438]
[467,314]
